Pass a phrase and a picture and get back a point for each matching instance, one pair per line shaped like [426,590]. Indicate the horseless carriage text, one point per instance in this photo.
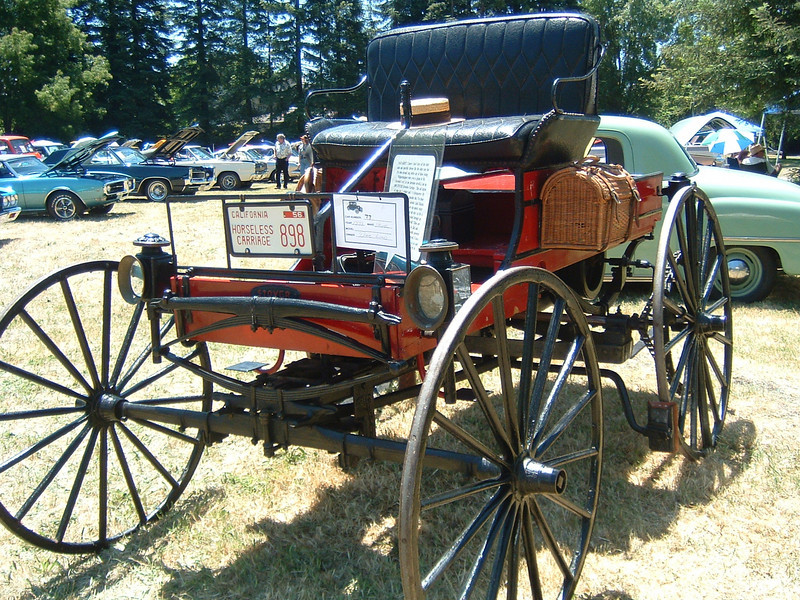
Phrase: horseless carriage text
[462,250]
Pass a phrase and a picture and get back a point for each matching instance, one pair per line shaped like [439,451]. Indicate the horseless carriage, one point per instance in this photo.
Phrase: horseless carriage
[451,262]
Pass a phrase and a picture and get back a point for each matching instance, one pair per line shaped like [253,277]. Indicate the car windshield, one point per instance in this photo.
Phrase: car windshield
[201,153]
[26,165]
[21,146]
[117,156]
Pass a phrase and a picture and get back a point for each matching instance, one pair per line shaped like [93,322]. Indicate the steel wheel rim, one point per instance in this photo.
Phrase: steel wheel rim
[157,191]
[111,475]
[514,521]
[64,207]
[693,324]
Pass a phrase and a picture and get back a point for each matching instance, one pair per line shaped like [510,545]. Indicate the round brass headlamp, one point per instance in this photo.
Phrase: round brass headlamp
[131,280]
[426,297]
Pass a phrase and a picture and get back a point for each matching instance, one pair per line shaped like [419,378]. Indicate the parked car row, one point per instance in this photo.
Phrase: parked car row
[106,170]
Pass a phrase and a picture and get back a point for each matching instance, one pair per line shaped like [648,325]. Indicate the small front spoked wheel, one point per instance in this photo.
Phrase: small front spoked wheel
[501,477]
[693,321]
[75,475]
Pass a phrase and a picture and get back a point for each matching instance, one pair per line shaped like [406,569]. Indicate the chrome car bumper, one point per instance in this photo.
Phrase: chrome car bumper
[10,214]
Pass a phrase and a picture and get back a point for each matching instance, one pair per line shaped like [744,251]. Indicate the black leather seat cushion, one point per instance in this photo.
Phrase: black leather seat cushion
[527,141]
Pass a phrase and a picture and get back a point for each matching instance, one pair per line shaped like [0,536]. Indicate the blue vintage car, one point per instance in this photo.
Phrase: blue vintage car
[58,190]
[759,214]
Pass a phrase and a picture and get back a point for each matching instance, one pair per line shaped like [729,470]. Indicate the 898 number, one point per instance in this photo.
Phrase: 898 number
[292,236]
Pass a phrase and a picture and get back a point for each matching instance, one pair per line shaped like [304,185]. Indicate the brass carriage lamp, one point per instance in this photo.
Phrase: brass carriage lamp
[146,274]
[457,276]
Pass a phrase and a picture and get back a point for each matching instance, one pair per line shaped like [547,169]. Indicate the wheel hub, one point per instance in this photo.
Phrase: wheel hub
[108,408]
[532,477]
[708,324]
[738,271]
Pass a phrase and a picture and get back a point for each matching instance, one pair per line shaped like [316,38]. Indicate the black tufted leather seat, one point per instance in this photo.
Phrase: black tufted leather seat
[498,75]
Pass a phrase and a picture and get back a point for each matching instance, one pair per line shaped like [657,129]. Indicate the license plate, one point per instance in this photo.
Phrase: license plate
[269,229]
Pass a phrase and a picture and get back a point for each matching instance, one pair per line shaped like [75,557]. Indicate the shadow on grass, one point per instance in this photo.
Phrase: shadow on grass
[89,575]
[345,545]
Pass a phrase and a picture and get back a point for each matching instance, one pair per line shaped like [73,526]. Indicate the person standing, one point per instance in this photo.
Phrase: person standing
[306,153]
[283,150]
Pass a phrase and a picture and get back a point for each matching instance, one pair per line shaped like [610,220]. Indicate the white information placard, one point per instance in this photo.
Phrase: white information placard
[413,175]
[370,222]
[269,229]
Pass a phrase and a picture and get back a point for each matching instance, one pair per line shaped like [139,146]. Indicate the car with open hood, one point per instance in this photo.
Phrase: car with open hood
[62,189]
[759,214]
[152,180]
[230,174]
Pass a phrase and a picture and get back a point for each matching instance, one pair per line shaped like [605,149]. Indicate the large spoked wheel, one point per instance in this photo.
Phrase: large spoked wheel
[692,320]
[500,488]
[74,474]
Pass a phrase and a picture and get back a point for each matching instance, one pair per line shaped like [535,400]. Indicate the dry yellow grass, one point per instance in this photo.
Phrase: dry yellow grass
[295,526]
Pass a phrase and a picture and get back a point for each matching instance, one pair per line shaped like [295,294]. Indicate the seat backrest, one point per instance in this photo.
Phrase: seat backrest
[492,67]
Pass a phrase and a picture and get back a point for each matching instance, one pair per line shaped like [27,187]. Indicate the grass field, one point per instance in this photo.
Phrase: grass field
[295,526]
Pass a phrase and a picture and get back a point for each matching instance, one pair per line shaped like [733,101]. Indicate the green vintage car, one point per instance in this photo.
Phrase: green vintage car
[759,215]
[58,190]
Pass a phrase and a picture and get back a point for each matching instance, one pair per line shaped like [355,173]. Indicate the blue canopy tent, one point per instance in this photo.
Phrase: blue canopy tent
[693,130]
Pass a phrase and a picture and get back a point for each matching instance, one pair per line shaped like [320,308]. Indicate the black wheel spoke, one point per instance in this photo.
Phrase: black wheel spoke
[142,358]
[555,392]
[51,474]
[102,506]
[529,544]
[501,553]
[194,441]
[504,365]
[528,354]
[469,440]
[572,457]
[544,366]
[55,350]
[105,356]
[482,396]
[512,586]
[46,441]
[550,540]
[460,493]
[464,538]
[80,332]
[564,422]
[76,486]
[129,480]
[41,413]
[127,341]
[41,381]
[149,455]
[498,524]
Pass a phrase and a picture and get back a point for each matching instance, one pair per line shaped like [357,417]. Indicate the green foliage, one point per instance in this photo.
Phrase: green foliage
[740,55]
[50,73]
[148,67]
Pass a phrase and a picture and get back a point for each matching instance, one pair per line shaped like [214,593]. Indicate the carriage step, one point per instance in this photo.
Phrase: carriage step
[662,418]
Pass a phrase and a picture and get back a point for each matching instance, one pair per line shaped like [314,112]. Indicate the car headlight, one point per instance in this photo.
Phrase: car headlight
[426,297]
[131,280]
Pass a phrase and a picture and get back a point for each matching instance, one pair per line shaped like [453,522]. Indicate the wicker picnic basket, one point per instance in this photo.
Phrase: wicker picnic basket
[588,206]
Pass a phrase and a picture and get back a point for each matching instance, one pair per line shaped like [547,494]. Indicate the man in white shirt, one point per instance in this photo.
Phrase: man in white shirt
[283,150]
